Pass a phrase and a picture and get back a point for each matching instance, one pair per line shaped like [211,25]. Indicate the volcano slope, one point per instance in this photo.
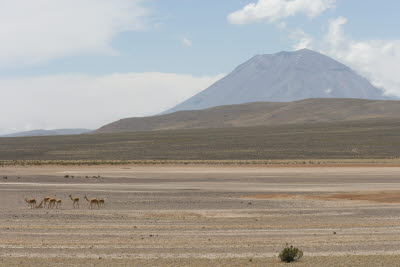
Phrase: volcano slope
[283,77]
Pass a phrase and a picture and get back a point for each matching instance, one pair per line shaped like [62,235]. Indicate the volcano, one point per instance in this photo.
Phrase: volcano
[284,77]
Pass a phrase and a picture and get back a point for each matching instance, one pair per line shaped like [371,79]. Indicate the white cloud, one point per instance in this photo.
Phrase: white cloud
[303,40]
[272,10]
[33,32]
[281,25]
[186,42]
[82,101]
[377,60]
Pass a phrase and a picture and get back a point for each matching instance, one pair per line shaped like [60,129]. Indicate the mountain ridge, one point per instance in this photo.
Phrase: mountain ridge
[262,113]
[284,77]
[41,132]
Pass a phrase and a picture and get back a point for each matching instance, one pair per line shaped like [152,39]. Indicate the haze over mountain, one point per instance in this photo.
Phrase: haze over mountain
[48,132]
[283,77]
[263,113]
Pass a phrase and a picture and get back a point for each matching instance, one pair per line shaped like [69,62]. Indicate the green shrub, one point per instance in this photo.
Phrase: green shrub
[290,254]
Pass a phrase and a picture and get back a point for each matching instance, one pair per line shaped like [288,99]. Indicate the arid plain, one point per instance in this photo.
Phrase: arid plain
[201,215]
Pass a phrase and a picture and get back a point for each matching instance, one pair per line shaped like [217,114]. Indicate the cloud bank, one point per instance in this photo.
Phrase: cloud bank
[83,101]
[33,32]
[377,60]
[272,10]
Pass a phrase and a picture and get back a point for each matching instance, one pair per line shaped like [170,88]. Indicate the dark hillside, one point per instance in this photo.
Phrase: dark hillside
[368,139]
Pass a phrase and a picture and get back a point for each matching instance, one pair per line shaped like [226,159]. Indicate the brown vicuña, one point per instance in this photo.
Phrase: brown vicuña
[40,205]
[52,203]
[31,202]
[75,201]
[46,201]
[58,203]
[92,201]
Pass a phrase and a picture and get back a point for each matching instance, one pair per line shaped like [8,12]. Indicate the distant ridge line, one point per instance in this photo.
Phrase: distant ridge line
[262,113]
[48,132]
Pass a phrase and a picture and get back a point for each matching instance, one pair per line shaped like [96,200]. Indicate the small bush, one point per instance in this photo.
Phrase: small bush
[290,254]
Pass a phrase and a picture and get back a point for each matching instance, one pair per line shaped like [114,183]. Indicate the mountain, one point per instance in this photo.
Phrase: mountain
[262,113]
[283,77]
[49,132]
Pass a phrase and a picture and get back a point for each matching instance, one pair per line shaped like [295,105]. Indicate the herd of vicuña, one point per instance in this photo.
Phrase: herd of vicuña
[51,203]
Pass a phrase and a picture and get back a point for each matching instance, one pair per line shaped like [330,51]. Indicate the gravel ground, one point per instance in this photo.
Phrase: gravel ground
[202,215]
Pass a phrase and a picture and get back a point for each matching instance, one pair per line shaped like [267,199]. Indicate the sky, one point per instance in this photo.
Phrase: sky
[86,63]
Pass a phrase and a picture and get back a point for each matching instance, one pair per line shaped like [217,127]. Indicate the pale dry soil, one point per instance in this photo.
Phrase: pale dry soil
[201,216]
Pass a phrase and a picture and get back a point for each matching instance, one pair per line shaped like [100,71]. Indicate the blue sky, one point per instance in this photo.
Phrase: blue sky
[137,58]
[217,46]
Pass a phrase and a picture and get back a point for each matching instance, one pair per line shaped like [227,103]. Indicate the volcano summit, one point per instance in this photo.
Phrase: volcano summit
[284,77]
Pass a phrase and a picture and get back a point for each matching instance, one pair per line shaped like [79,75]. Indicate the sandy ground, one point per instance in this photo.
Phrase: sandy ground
[201,215]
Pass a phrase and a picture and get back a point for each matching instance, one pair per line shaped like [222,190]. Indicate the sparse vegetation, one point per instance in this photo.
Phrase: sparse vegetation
[262,113]
[289,254]
[285,144]
[390,161]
